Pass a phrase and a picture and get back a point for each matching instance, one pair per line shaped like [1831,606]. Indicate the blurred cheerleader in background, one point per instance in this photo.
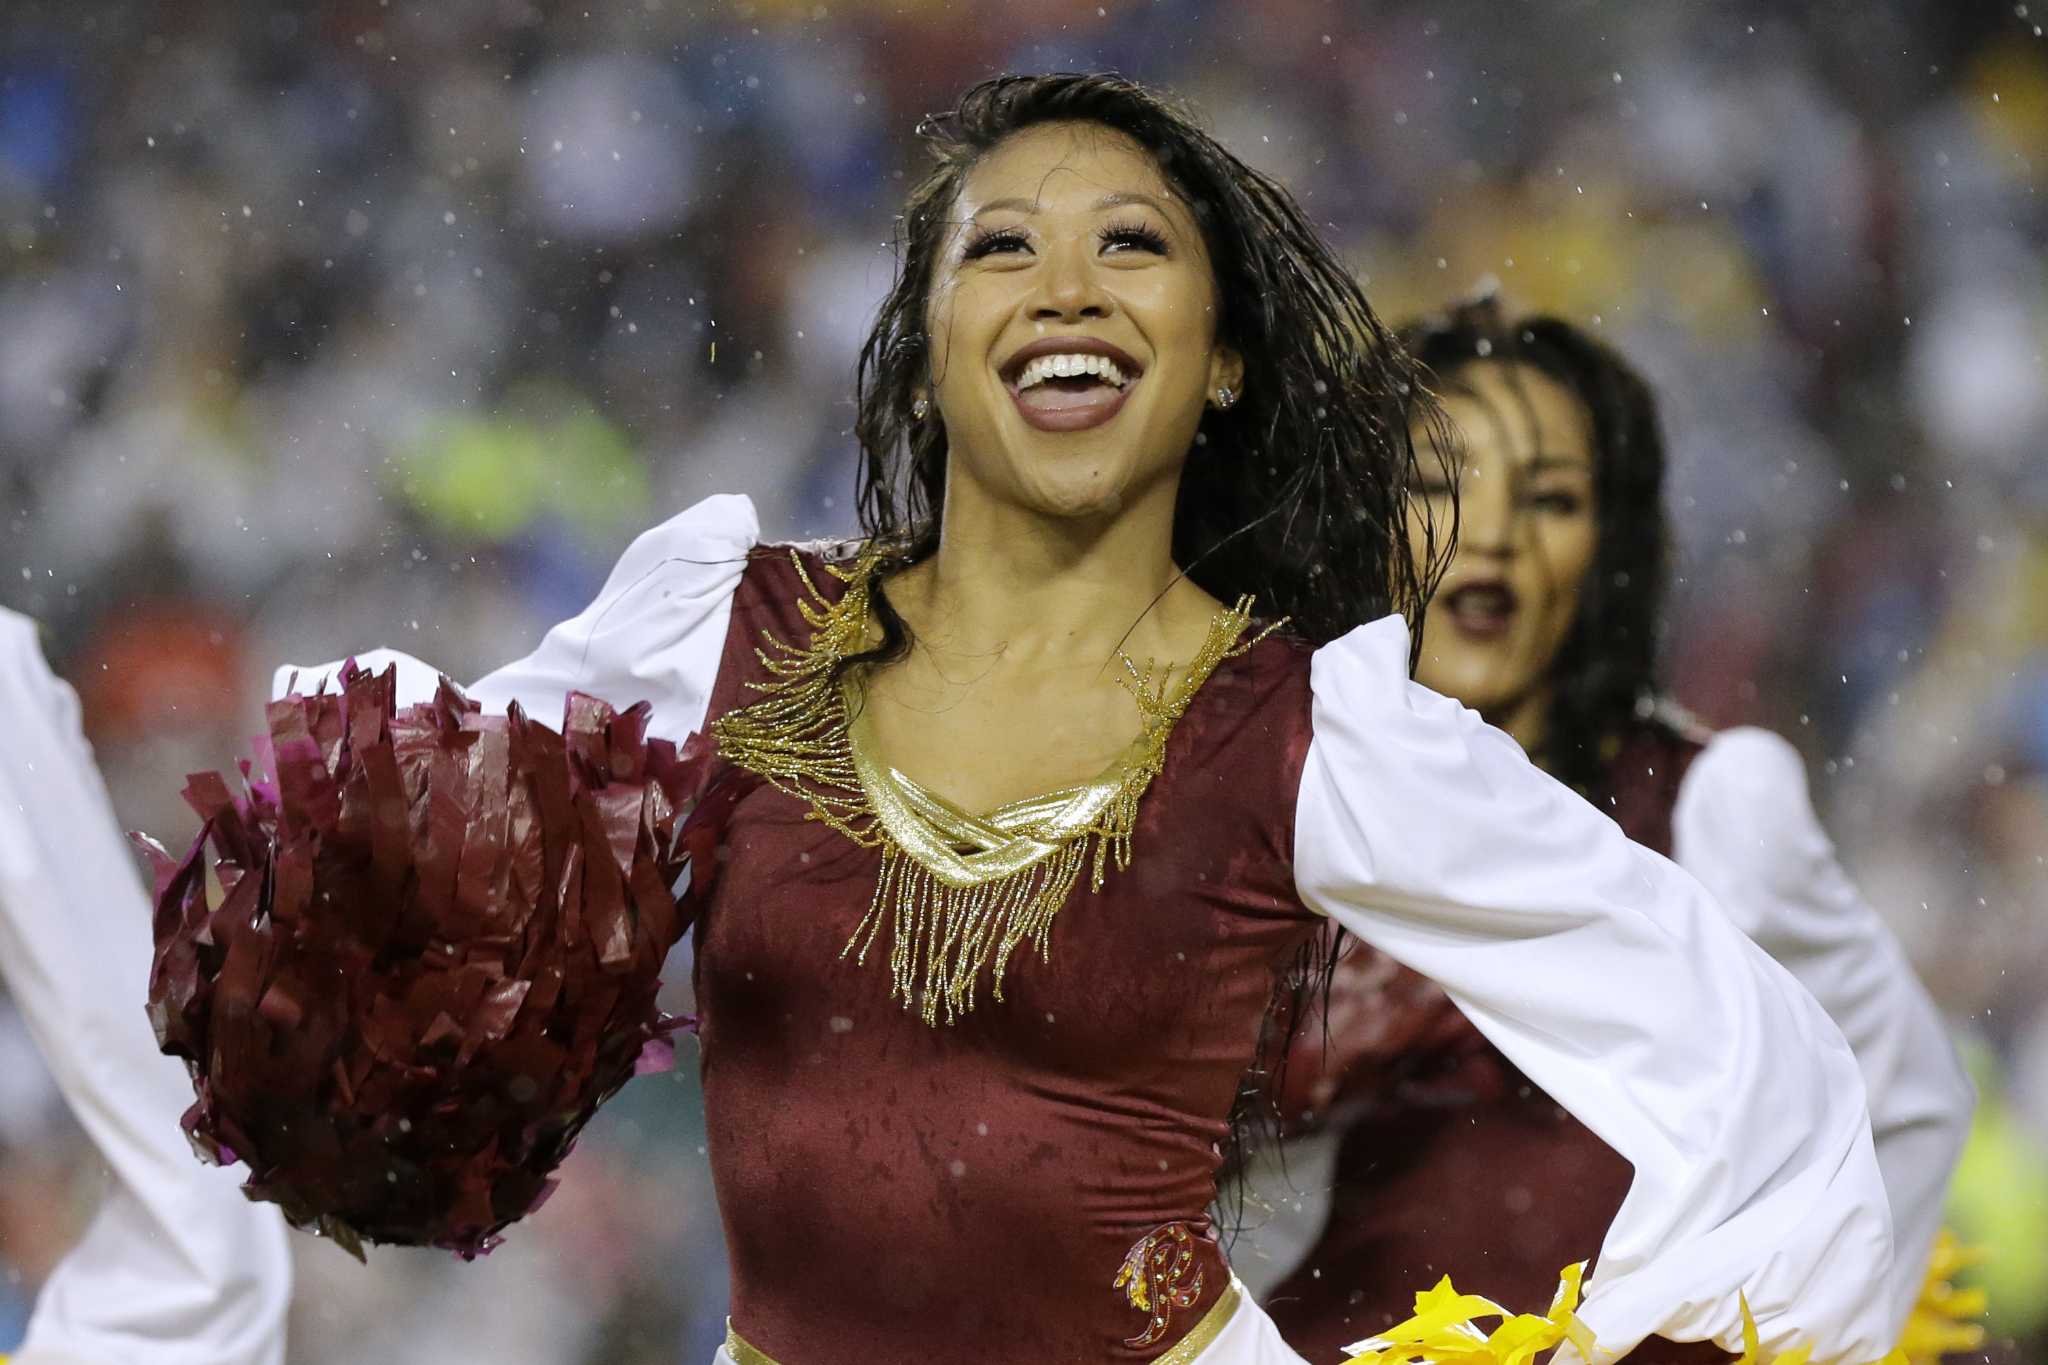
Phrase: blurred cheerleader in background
[1546,623]
[178,1268]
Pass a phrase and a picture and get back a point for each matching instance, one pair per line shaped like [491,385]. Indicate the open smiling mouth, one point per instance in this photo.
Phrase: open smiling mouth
[1482,611]
[1071,390]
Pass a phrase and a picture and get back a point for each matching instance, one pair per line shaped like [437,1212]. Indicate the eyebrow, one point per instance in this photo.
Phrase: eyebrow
[1117,199]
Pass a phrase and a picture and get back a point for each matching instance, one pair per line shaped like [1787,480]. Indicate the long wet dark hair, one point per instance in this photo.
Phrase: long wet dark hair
[1605,674]
[1296,495]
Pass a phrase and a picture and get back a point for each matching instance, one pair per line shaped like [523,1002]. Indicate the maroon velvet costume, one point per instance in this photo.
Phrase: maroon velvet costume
[894,1191]
[1452,1161]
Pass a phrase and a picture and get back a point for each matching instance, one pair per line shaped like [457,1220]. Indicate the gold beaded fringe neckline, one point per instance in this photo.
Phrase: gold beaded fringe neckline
[958,892]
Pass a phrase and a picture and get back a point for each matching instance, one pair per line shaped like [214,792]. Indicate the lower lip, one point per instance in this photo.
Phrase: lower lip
[1079,417]
[1484,629]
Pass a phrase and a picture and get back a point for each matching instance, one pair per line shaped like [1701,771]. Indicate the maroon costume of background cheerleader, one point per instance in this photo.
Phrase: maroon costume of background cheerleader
[1452,1161]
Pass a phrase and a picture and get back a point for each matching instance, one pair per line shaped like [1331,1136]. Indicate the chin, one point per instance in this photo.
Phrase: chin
[1076,485]
[1091,503]
[1474,682]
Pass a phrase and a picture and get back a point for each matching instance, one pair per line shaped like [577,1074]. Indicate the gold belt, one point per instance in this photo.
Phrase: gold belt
[1183,1351]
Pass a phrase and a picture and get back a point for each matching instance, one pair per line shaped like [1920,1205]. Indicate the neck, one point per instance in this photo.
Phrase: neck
[1526,720]
[1011,579]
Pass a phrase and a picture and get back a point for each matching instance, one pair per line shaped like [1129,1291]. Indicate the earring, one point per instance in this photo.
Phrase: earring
[920,408]
[1226,397]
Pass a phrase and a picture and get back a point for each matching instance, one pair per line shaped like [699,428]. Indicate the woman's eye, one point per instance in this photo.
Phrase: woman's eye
[994,242]
[1434,488]
[1134,237]
[1559,502]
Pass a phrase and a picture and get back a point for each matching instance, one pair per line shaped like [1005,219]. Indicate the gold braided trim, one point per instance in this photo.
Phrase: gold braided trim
[1204,1333]
[1184,1352]
[741,1353]
[957,892]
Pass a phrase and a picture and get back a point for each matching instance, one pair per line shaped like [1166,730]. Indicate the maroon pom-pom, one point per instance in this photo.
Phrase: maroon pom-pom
[421,957]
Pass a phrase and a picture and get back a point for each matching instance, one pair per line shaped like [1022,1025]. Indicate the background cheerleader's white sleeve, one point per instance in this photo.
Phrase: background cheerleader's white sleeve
[1613,980]
[177,1268]
[1744,825]
[655,632]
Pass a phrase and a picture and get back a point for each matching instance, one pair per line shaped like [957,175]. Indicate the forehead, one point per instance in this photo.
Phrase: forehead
[1064,167]
[1516,409]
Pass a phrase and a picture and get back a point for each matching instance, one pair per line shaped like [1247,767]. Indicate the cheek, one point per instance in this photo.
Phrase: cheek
[1568,550]
[1191,313]
[1174,303]
[963,316]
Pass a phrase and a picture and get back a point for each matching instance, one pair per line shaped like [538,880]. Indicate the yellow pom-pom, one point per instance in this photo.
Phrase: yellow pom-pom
[1753,1347]
[1943,1320]
[1753,1354]
[1443,1330]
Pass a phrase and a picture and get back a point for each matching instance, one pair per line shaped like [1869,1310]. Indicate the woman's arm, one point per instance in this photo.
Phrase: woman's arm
[1613,980]
[178,1268]
[654,633]
[1745,826]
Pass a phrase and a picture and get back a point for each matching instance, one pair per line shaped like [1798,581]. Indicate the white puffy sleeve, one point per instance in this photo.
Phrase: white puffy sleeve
[177,1268]
[655,633]
[1614,981]
[1744,825]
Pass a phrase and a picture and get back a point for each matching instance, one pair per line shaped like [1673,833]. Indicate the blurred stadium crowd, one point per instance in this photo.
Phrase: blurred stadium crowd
[360,321]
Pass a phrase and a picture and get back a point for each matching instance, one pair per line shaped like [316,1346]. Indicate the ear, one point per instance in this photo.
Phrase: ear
[1226,371]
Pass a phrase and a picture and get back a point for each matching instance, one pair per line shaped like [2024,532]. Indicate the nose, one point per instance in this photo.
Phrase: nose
[1069,289]
[1487,520]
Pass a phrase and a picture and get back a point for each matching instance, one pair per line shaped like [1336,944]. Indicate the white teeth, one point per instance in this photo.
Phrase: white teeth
[1070,365]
